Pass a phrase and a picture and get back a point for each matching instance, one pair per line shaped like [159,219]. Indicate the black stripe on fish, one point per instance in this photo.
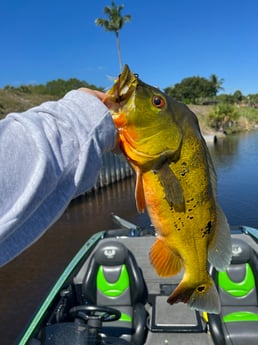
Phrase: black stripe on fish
[172,188]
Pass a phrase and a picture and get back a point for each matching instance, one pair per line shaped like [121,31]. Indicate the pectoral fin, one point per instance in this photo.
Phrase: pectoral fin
[164,260]
[220,249]
[172,188]
[139,191]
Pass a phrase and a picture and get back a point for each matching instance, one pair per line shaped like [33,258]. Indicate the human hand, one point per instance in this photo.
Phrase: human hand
[103,97]
[99,94]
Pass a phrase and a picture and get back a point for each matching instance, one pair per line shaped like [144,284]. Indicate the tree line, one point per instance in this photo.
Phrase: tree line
[191,90]
[200,90]
[196,90]
[224,116]
[57,88]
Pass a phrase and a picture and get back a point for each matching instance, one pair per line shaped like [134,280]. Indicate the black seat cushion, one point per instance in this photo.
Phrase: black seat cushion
[238,288]
[114,279]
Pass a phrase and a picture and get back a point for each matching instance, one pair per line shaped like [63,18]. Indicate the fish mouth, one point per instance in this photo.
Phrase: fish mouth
[122,89]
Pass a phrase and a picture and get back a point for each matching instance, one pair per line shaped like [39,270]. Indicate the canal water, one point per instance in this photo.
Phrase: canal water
[25,281]
[236,161]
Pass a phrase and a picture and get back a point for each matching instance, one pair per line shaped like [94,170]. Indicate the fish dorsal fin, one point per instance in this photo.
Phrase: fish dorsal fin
[220,249]
[139,191]
[164,260]
[172,188]
[212,171]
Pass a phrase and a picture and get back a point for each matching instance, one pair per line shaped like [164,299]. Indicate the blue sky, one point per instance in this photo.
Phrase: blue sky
[166,41]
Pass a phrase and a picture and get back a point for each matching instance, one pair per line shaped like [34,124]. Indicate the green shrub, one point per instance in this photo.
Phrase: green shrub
[251,114]
[223,116]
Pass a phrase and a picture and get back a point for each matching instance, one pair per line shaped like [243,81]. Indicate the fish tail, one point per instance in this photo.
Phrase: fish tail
[203,297]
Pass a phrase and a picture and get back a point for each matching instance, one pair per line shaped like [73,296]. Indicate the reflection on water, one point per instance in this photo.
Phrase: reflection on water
[225,152]
[24,281]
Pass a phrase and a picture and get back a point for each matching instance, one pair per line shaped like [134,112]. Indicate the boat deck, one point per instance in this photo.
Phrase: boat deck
[167,321]
[176,324]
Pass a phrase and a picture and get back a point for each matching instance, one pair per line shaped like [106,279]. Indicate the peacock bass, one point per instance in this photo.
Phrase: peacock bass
[176,182]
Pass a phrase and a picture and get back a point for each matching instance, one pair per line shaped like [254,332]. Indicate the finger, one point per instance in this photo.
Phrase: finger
[99,94]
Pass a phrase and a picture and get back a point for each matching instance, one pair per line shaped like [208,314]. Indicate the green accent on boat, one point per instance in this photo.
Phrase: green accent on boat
[240,316]
[58,285]
[125,317]
[113,289]
[237,289]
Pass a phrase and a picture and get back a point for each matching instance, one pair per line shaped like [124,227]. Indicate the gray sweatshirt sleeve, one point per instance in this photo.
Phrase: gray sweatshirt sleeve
[48,155]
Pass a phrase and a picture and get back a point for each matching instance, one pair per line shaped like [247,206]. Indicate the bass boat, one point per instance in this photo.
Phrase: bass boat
[110,294]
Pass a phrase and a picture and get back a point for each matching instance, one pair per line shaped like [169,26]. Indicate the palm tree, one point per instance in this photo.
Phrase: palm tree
[115,23]
[216,83]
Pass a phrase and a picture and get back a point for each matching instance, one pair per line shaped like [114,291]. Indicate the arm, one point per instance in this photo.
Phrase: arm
[49,155]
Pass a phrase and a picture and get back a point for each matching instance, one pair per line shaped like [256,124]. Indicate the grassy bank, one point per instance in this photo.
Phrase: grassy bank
[17,101]
[225,118]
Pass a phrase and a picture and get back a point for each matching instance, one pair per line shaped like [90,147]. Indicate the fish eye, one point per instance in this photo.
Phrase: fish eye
[158,101]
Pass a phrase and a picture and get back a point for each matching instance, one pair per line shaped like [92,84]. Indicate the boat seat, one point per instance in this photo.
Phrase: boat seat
[237,323]
[114,279]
